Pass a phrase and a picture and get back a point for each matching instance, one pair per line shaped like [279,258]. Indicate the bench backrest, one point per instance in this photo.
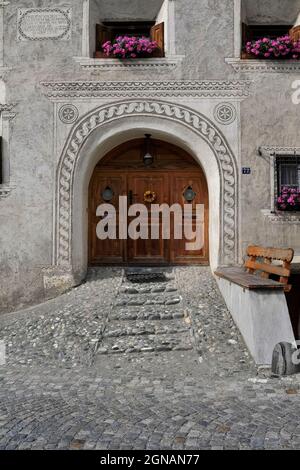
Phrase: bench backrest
[261,259]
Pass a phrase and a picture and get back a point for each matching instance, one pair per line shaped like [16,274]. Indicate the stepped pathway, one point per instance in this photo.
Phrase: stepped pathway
[148,315]
[70,381]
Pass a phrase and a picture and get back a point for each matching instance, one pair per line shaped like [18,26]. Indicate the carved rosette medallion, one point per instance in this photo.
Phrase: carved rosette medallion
[225,113]
[68,114]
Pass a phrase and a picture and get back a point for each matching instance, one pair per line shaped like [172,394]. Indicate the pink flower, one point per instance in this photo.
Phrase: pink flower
[129,47]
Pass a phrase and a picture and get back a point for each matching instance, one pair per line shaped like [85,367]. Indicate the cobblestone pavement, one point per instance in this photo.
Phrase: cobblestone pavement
[118,363]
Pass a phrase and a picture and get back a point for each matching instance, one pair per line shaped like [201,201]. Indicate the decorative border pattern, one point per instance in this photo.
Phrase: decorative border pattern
[23,12]
[284,218]
[159,64]
[267,66]
[7,115]
[197,122]
[225,113]
[6,107]
[238,89]
[272,151]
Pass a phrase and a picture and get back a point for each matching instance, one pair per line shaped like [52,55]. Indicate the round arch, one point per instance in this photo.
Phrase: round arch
[97,133]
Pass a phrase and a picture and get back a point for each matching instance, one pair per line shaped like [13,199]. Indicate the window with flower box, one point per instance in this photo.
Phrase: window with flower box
[254,33]
[147,22]
[288,183]
[105,21]
[255,21]
[130,39]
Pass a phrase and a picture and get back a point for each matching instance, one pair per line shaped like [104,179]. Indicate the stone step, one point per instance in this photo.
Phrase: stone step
[147,343]
[148,276]
[150,312]
[141,327]
[147,299]
[138,289]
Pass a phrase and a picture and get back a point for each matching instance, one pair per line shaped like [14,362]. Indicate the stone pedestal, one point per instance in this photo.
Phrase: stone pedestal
[262,318]
[58,280]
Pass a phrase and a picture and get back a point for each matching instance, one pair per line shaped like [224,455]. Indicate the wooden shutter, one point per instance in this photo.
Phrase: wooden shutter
[246,34]
[158,35]
[295,33]
[246,37]
[103,34]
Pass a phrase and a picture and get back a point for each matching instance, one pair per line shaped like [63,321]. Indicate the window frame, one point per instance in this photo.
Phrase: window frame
[280,161]
[170,59]
[109,30]
[253,32]
[244,64]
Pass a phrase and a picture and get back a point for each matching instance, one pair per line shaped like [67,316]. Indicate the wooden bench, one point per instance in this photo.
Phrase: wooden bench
[259,266]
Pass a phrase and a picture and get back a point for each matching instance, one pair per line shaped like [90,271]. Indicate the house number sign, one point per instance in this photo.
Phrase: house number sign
[38,24]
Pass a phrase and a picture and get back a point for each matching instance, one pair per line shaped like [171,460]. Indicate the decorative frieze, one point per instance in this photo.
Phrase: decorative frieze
[272,151]
[6,107]
[158,64]
[266,66]
[282,218]
[7,115]
[239,89]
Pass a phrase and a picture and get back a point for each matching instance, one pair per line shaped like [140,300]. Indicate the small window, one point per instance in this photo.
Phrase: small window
[288,183]
[271,20]
[255,32]
[109,31]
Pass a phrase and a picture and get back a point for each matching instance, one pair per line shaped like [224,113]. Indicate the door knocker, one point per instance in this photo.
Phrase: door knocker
[149,196]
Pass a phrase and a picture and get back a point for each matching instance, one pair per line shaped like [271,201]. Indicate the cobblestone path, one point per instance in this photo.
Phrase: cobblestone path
[122,364]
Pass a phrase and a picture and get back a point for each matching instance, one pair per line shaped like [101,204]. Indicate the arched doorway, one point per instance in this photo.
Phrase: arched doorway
[123,173]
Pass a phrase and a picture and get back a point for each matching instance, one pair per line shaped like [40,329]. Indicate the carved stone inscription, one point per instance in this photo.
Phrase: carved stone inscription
[38,24]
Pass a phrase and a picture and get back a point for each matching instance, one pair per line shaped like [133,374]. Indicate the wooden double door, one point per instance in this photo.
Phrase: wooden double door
[140,185]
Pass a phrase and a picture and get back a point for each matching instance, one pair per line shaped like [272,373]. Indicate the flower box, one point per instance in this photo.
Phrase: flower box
[281,48]
[289,200]
[129,47]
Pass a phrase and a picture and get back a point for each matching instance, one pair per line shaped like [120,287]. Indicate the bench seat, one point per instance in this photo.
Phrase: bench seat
[239,275]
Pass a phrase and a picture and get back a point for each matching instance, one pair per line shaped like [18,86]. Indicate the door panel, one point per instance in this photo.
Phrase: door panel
[105,251]
[147,251]
[197,183]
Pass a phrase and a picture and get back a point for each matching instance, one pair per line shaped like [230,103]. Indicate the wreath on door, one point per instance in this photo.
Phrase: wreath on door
[149,196]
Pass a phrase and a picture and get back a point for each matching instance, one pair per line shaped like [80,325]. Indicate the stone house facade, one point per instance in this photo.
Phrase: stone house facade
[63,110]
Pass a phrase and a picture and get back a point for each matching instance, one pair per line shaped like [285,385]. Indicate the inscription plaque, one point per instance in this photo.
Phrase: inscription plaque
[38,24]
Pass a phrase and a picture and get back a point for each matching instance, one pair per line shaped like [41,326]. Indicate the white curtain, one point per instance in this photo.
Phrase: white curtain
[290,175]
